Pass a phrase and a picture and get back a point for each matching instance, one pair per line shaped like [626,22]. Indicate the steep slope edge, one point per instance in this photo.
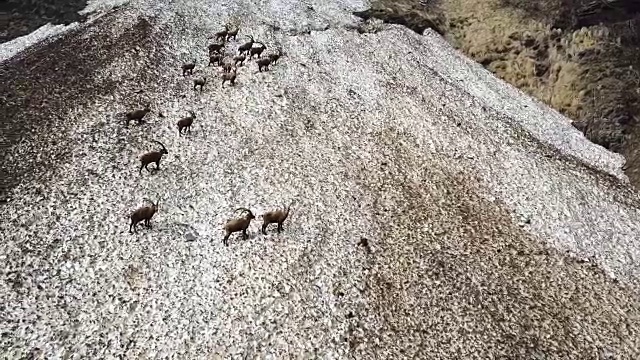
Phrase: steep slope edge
[580,57]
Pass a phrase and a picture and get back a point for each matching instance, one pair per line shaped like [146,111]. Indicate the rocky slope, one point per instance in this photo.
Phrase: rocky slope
[495,227]
[581,57]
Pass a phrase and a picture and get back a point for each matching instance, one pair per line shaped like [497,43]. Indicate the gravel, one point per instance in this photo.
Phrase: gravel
[495,229]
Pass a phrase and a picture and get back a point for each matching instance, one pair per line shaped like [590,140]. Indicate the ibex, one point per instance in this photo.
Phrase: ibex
[239,59]
[137,115]
[199,82]
[215,59]
[231,77]
[222,35]
[152,157]
[216,48]
[185,123]
[227,66]
[275,217]
[263,63]
[144,213]
[257,50]
[239,224]
[244,48]
[188,68]
[274,57]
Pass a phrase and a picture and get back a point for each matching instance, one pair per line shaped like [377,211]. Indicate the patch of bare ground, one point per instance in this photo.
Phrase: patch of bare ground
[580,57]
[467,281]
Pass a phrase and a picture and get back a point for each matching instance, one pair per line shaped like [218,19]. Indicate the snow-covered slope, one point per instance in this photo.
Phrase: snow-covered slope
[478,203]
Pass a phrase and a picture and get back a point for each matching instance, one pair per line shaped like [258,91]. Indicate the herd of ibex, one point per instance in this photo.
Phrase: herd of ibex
[240,224]
[229,64]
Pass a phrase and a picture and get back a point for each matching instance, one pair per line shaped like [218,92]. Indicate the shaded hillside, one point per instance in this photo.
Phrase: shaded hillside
[20,17]
[554,50]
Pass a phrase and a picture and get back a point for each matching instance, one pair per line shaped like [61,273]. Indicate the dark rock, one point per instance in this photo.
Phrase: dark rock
[555,34]
[417,21]
[363,242]
[350,315]
[528,41]
[28,15]
[541,68]
[606,12]
[623,119]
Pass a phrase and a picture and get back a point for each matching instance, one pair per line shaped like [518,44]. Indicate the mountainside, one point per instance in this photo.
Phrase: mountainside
[494,227]
[581,57]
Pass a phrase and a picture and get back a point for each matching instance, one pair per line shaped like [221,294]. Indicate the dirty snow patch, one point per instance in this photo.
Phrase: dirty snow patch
[101,6]
[11,48]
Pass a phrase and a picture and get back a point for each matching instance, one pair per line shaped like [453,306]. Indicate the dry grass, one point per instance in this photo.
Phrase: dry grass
[526,53]
[588,74]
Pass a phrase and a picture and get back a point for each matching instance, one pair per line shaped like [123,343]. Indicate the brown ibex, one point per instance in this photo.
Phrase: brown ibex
[222,35]
[257,50]
[274,57]
[230,77]
[199,82]
[137,115]
[215,59]
[239,59]
[185,123]
[239,224]
[263,63]
[244,48]
[188,68]
[152,157]
[216,48]
[143,213]
[227,65]
[275,217]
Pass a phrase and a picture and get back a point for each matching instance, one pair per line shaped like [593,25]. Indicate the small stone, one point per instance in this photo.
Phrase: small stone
[363,242]
[350,315]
